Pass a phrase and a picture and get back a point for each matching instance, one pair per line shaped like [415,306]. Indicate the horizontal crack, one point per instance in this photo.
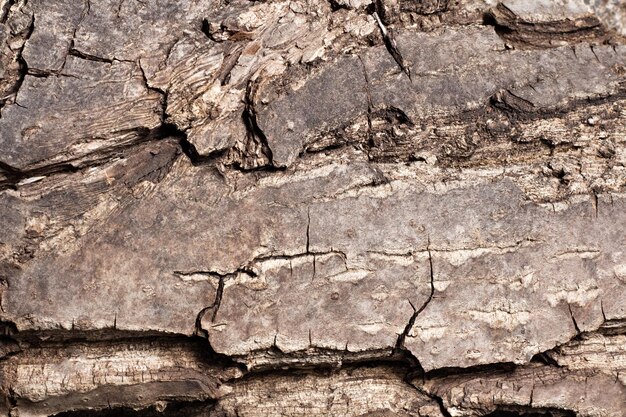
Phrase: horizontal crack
[13,177]
[83,55]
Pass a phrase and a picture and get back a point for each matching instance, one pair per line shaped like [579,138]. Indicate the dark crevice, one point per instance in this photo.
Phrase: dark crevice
[214,307]
[610,328]
[437,399]
[508,101]
[255,136]
[392,46]
[442,408]
[336,6]
[522,411]
[205,28]
[286,257]
[308,235]
[613,327]
[393,116]
[38,73]
[287,363]
[109,336]
[163,93]
[14,176]
[252,155]
[9,347]
[7,328]
[230,61]
[196,159]
[163,409]
[11,398]
[123,339]
[6,10]
[416,313]
[23,66]
[219,158]
[490,20]
[571,313]
[82,55]
[490,369]
[546,359]
[523,110]
[71,51]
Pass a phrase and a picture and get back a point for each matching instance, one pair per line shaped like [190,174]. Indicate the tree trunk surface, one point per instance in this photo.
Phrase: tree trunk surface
[312,207]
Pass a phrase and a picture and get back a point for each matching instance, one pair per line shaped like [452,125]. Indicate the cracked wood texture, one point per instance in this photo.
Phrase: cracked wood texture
[312,207]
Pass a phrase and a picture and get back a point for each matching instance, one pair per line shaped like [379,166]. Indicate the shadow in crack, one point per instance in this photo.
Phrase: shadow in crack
[531,412]
[160,409]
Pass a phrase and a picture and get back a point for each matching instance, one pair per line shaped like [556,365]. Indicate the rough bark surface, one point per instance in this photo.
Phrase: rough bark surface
[312,207]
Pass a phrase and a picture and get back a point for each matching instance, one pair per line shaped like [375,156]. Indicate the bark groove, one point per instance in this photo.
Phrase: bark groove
[312,207]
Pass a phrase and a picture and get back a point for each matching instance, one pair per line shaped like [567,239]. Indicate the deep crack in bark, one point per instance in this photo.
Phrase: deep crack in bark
[411,323]
[392,46]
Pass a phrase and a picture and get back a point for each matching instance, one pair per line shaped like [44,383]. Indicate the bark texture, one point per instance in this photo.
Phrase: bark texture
[312,207]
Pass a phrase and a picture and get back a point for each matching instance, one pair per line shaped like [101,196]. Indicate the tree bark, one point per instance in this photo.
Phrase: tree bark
[311,207]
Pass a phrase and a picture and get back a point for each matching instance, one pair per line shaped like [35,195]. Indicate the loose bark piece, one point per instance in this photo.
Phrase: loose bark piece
[547,23]
[312,207]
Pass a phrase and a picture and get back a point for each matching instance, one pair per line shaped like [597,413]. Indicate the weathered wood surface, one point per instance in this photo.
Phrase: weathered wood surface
[313,208]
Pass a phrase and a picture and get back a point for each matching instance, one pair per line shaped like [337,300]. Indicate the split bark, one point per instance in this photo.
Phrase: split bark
[311,207]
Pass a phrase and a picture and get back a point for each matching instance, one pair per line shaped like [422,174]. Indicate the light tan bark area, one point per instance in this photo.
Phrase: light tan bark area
[312,207]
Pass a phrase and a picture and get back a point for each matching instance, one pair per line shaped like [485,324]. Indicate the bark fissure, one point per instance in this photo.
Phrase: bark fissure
[428,384]
[14,178]
[213,308]
[256,145]
[23,66]
[417,312]
[392,46]
[335,152]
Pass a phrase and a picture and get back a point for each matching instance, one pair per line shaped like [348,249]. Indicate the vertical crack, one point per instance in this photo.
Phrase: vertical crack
[571,313]
[392,46]
[370,106]
[162,93]
[5,10]
[257,147]
[442,408]
[214,307]
[211,308]
[416,313]
[71,51]
[23,66]
[308,230]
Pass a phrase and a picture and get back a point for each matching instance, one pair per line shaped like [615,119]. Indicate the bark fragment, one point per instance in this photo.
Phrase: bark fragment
[547,23]
[252,208]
